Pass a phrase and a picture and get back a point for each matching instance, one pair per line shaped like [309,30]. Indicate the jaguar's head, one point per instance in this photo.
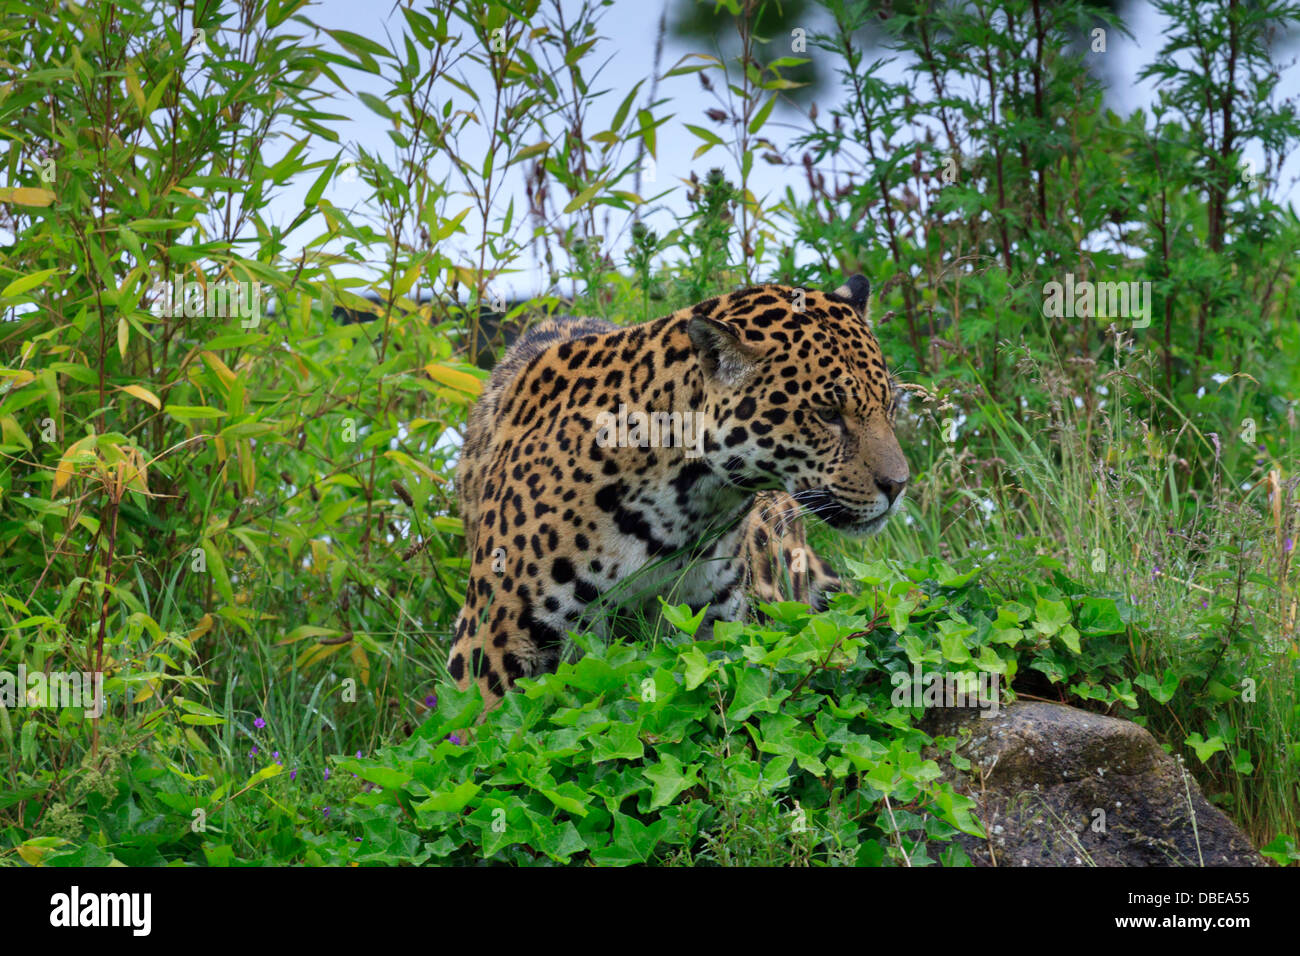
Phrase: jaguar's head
[796,396]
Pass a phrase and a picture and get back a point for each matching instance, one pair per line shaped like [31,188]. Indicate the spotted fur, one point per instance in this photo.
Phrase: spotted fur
[780,565]
[793,408]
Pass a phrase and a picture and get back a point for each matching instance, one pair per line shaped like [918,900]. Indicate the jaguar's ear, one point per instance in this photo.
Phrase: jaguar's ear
[721,353]
[856,291]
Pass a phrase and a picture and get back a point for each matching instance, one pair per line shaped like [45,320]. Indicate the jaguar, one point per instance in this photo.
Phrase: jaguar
[771,403]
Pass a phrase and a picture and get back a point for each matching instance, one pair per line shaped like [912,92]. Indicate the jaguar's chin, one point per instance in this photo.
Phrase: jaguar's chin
[865,527]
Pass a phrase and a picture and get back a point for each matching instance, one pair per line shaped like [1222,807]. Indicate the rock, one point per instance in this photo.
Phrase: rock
[1058,786]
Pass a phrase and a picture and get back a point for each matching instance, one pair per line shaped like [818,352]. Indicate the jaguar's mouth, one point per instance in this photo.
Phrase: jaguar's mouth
[824,504]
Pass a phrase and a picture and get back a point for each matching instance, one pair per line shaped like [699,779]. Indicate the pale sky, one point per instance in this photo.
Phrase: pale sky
[630,27]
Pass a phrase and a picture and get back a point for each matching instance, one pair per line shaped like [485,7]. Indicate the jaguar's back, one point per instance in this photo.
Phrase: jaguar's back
[483,425]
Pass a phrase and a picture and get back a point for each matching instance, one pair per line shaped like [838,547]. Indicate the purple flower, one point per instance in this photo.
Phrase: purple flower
[1205,604]
[431,701]
[356,839]
[259,723]
[327,773]
[293,774]
[325,811]
[1288,545]
[358,754]
[454,738]
[253,752]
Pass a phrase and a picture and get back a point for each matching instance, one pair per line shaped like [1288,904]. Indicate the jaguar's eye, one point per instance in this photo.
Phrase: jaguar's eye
[830,416]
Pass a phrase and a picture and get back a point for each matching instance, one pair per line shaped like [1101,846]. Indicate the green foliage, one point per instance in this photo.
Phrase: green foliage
[794,741]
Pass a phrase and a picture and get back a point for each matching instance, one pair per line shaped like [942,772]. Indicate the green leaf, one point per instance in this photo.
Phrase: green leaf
[1205,749]
[761,116]
[1070,637]
[453,801]
[681,618]
[1242,764]
[698,667]
[356,43]
[710,137]
[1099,616]
[957,810]
[754,694]
[376,105]
[217,568]
[186,413]
[1051,616]
[620,115]
[584,197]
[633,842]
[1281,850]
[202,720]
[648,127]
[618,741]
[1162,691]
[954,648]
[668,778]
[26,283]
[568,797]
[318,187]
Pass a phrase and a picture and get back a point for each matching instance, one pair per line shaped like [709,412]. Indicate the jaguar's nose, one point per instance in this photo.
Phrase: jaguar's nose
[892,487]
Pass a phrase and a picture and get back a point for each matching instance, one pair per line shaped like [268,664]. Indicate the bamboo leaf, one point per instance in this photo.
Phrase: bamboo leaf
[454,378]
[27,196]
[26,283]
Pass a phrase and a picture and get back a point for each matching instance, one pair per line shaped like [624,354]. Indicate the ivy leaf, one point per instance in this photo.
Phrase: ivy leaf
[753,694]
[559,840]
[680,617]
[1282,850]
[1051,616]
[453,801]
[568,797]
[668,778]
[633,842]
[954,647]
[1242,763]
[1162,691]
[1070,638]
[956,809]
[1205,749]
[618,741]
[1100,616]
[698,667]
